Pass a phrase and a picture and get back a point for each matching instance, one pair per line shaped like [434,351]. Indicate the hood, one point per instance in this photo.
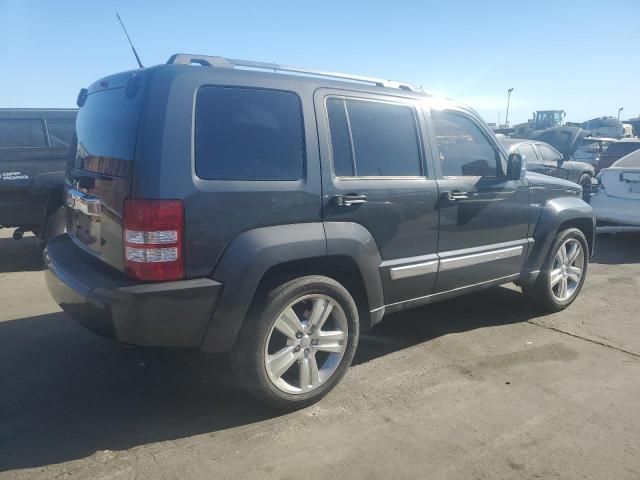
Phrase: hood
[540,181]
[564,139]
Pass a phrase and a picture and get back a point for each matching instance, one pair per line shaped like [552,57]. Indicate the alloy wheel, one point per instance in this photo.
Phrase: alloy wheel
[306,344]
[567,270]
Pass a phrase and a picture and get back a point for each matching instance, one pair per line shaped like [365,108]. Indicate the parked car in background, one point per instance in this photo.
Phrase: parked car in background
[616,151]
[34,144]
[617,202]
[605,127]
[275,216]
[543,158]
[591,148]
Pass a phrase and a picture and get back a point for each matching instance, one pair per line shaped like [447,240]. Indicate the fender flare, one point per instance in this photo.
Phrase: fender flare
[555,213]
[252,253]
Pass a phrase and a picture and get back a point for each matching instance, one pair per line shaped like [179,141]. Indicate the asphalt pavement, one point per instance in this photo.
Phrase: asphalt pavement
[478,387]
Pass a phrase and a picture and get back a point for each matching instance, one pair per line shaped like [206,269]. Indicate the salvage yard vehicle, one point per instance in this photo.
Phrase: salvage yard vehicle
[591,148]
[34,144]
[275,212]
[543,158]
[617,202]
[616,151]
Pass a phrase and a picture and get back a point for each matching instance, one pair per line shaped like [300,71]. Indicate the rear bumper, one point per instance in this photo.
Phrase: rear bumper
[616,210]
[170,314]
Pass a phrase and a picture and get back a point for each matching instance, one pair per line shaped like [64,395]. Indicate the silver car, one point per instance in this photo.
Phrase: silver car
[617,201]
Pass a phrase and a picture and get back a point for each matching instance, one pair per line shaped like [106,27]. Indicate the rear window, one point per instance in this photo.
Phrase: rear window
[629,161]
[107,128]
[22,133]
[248,134]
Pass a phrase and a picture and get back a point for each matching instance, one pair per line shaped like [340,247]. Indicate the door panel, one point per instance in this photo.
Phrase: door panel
[375,134]
[484,217]
[551,159]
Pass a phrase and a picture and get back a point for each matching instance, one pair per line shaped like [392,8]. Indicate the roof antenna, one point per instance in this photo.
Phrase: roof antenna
[130,42]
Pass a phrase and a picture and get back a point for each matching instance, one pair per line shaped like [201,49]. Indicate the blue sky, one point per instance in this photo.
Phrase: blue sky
[578,56]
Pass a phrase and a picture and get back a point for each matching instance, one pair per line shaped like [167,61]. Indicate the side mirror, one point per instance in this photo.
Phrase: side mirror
[516,166]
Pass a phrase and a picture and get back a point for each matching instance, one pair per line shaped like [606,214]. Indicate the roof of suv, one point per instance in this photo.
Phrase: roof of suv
[210,65]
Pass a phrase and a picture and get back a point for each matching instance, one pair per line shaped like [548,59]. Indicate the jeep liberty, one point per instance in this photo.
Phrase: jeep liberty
[275,212]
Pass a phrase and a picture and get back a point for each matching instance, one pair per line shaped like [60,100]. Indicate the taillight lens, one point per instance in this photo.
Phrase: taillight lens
[153,239]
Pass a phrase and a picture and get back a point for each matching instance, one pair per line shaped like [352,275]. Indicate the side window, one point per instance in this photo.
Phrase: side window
[61,131]
[548,154]
[464,149]
[248,134]
[373,139]
[22,133]
[528,151]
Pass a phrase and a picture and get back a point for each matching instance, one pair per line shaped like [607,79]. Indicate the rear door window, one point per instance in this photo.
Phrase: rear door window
[22,133]
[373,139]
[248,134]
[549,155]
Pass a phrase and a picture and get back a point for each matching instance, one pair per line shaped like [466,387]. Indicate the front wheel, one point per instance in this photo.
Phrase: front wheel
[563,273]
[297,342]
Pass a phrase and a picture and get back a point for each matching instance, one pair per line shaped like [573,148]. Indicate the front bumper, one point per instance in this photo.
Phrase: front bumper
[169,314]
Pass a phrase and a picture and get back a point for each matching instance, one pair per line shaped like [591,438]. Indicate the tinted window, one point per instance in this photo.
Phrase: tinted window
[107,128]
[463,147]
[622,148]
[372,139]
[528,151]
[247,134]
[61,131]
[548,154]
[341,144]
[17,133]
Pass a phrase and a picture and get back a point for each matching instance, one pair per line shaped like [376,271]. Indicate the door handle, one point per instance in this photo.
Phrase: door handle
[456,195]
[349,199]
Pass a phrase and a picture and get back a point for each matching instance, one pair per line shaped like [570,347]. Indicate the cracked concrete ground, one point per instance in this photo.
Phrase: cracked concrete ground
[477,387]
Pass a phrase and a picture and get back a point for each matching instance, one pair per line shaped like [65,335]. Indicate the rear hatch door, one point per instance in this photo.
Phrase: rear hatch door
[621,182]
[99,179]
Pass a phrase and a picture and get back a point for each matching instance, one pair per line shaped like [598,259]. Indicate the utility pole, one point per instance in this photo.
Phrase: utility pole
[499,119]
[506,117]
[619,110]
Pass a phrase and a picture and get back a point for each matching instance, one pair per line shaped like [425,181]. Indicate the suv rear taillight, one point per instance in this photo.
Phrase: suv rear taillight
[153,239]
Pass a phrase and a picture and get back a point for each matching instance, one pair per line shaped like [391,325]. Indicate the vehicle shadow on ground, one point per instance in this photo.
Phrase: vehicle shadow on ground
[67,393]
[617,248]
[19,256]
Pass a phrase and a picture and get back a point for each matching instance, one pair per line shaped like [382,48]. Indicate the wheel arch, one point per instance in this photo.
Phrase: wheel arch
[558,214]
[264,256]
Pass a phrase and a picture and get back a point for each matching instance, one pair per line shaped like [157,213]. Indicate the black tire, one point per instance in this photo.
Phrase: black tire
[585,182]
[55,224]
[540,293]
[248,356]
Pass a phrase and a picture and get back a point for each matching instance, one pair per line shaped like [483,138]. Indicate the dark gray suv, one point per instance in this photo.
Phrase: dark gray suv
[275,216]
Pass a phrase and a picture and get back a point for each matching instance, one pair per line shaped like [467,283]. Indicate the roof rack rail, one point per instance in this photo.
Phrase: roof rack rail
[221,62]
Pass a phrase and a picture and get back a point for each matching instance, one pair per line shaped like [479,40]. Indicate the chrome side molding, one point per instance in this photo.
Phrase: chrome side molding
[415,270]
[428,264]
[477,258]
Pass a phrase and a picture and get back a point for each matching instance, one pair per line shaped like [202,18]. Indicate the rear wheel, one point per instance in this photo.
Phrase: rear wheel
[297,342]
[563,273]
